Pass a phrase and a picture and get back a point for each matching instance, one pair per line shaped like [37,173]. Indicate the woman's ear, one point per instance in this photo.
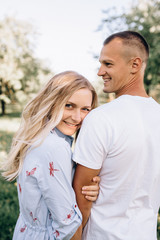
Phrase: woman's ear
[136,64]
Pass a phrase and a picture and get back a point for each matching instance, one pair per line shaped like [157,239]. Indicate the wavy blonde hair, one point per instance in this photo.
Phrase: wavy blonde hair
[42,114]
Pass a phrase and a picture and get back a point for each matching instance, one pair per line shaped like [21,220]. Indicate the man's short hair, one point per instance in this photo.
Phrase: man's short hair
[131,39]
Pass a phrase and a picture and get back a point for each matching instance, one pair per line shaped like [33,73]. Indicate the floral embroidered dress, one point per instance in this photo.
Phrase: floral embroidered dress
[48,208]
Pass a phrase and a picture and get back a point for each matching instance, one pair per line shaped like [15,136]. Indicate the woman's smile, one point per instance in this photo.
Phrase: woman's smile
[71,124]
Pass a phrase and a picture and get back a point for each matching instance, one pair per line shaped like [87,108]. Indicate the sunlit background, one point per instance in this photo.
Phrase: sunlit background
[67,30]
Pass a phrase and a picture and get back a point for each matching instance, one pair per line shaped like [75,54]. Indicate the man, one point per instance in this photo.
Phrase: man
[120,141]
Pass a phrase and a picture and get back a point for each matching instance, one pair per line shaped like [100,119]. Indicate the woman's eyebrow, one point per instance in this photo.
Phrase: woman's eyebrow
[68,102]
[73,104]
[87,106]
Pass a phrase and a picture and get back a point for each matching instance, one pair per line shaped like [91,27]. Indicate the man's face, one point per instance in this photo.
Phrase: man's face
[115,67]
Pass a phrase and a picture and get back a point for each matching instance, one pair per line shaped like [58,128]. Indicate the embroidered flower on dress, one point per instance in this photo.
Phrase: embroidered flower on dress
[56,233]
[31,172]
[20,189]
[69,216]
[34,219]
[51,168]
[23,228]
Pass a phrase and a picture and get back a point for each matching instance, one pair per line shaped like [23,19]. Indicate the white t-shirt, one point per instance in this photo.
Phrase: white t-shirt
[123,139]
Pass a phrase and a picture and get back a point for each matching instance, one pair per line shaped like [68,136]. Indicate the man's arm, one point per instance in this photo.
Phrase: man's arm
[78,234]
[83,177]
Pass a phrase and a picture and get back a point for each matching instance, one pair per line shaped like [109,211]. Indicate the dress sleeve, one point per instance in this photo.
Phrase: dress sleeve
[54,176]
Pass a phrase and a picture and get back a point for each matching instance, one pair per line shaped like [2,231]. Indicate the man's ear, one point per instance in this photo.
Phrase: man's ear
[136,64]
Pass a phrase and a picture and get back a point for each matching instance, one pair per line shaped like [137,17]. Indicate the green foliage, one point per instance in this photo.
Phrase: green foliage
[6,138]
[144,18]
[9,209]
[158,228]
[20,71]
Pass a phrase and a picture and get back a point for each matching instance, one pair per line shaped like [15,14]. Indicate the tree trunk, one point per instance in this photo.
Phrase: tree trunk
[148,90]
[3,107]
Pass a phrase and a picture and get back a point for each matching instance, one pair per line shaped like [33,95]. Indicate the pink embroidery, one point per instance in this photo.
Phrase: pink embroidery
[52,169]
[31,172]
[20,189]
[56,233]
[23,228]
[69,215]
[34,219]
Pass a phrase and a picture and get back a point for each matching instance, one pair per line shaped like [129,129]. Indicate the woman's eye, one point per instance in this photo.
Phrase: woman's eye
[68,105]
[86,109]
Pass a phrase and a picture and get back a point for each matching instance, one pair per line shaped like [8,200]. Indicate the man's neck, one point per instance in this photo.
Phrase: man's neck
[138,92]
[135,88]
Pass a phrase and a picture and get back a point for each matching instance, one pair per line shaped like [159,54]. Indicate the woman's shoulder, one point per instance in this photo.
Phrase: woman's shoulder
[51,148]
[53,140]
[52,143]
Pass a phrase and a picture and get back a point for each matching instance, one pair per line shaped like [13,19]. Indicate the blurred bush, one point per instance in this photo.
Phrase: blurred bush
[9,209]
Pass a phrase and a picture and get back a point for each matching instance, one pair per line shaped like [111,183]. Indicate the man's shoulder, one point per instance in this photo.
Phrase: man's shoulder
[108,112]
[100,114]
[109,106]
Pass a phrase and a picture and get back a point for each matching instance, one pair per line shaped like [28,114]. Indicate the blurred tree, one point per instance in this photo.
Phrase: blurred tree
[143,17]
[20,71]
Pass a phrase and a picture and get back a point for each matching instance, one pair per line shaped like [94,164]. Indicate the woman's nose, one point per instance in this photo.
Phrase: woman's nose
[76,116]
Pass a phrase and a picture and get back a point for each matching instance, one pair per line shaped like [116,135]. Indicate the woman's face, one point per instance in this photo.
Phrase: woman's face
[76,108]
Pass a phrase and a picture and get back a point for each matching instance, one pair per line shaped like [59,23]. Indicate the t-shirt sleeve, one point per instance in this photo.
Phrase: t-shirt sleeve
[93,142]
[54,180]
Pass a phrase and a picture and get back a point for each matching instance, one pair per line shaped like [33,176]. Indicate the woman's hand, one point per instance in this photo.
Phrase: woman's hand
[91,192]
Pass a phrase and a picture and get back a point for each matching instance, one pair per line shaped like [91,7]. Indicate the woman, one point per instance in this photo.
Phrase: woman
[40,159]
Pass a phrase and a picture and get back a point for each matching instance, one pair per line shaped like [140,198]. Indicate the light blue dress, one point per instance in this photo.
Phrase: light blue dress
[48,208]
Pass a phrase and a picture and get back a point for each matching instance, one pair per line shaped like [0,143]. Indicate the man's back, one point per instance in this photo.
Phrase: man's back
[123,140]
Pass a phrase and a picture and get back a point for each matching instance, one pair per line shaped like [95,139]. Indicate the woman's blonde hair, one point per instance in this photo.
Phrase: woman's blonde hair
[42,114]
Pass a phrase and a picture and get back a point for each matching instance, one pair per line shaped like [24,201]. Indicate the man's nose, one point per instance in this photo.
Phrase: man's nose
[101,71]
